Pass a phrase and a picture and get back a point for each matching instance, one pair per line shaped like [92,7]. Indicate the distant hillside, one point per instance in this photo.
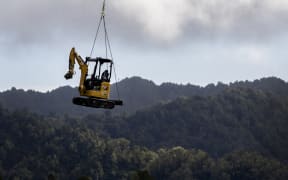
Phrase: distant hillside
[137,93]
[237,118]
[55,102]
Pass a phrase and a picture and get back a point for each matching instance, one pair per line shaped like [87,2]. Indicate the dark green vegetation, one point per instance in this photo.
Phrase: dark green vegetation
[34,147]
[236,131]
[235,119]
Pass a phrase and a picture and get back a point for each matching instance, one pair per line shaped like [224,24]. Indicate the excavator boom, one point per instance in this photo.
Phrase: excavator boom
[82,66]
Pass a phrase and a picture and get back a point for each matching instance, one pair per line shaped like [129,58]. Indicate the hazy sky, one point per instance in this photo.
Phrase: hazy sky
[183,41]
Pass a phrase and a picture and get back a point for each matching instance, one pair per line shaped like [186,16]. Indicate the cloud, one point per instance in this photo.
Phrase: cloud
[161,21]
[158,19]
[167,20]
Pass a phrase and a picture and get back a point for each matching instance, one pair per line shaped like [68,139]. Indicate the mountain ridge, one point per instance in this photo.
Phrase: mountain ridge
[136,92]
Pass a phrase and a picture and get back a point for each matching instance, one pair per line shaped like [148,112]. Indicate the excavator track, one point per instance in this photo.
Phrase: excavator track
[96,103]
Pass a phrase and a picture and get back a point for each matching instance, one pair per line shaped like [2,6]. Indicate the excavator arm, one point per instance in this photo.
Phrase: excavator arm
[82,66]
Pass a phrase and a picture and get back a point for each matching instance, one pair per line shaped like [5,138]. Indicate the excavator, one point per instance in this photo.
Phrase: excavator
[94,89]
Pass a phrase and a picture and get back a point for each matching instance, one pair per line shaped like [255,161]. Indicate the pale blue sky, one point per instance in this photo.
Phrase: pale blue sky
[183,41]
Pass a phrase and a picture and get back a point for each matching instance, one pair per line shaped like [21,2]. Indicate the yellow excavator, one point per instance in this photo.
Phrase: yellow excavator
[95,88]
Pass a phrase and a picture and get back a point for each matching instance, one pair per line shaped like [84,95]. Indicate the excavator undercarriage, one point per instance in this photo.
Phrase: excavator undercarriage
[96,103]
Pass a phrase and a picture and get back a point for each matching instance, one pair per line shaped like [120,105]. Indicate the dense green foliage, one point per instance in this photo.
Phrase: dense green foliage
[237,131]
[235,119]
[36,147]
[32,147]
[179,163]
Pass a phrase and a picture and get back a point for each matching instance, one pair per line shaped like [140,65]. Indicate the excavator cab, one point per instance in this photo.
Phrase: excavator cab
[100,77]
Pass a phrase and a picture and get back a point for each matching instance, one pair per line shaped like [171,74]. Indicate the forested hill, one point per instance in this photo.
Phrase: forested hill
[35,147]
[234,119]
[137,93]
[235,131]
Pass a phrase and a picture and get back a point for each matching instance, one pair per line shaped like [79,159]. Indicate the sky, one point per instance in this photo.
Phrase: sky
[183,41]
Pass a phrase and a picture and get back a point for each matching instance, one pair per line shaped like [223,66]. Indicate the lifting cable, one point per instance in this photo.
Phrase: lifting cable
[102,19]
[107,43]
